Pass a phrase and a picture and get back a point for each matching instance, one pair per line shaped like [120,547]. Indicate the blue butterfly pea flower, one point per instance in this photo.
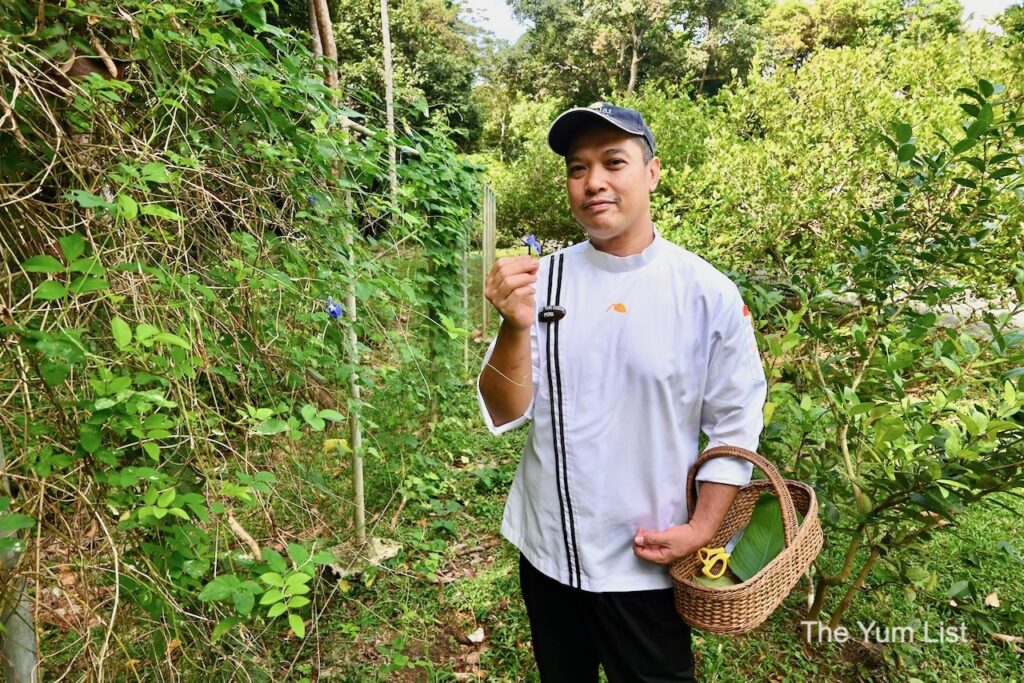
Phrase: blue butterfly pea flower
[334,308]
[531,241]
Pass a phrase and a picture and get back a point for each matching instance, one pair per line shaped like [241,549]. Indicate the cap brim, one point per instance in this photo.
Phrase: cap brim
[569,122]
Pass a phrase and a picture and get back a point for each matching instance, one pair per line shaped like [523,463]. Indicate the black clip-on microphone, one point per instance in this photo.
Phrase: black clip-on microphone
[550,314]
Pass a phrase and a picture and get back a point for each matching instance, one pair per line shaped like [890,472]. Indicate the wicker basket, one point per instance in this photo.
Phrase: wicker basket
[744,606]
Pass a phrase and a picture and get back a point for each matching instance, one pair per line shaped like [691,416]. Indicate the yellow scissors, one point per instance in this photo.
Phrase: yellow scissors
[711,557]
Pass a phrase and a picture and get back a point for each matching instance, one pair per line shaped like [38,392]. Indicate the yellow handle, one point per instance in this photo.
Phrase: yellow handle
[711,557]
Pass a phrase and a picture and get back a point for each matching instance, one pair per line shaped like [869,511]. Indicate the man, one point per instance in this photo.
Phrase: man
[631,349]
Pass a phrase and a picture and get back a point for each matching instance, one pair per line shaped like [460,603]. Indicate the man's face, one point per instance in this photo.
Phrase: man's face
[608,183]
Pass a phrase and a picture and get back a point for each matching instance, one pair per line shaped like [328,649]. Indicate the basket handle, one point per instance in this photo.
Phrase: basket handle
[789,523]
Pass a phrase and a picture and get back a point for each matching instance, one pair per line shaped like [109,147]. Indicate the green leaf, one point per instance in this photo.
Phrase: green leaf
[54,373]
[332,415]
[918,574]
[964,145]
[160,212]
[127,207]
[903,132]
[173,339]
[122,333]
[299,555]
[276,610]
[87,200]
[72,246]
[87,266]
[982,123]
[255,16]
[906,152]
[762,539]
[272,426]
[298,578]
[298,626]
[1011,551]
[155,172]
[722,581]
[86,284]
[272,579]
[271,596]
[43,264]
[244,602]
[220,588]
[16,522]
[861,408]
[179,513]
[89,438]
[969,345]
[224,99]
[324,557]
[144,331]
[50,290]
[958,589]
[166,498]
[298,601]
[274,560]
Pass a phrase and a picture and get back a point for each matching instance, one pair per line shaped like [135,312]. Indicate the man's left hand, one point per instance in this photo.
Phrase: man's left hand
[665,547]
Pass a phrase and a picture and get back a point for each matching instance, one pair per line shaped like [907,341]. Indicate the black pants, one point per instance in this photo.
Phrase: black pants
[635,636]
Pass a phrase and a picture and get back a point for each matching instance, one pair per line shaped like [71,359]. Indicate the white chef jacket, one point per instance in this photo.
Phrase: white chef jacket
[653,348]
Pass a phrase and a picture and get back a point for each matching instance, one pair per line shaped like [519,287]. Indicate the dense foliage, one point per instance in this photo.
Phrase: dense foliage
[178,190]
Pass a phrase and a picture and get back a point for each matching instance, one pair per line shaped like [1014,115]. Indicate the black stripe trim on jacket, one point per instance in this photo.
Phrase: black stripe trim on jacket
[555,419]
[561,430]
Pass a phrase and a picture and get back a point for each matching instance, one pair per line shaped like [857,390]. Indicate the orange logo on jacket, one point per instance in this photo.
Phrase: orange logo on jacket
[617,307]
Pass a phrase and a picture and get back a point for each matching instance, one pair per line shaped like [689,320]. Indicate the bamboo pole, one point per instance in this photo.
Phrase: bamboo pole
[355,432]
[484,310]
[330,50]
[465,312]
[389,101]
[18,641]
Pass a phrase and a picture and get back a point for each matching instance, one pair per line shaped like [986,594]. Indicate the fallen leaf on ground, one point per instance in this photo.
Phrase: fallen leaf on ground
[992,600]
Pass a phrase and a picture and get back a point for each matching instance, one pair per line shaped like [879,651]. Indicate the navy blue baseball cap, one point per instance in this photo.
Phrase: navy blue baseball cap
[572,120]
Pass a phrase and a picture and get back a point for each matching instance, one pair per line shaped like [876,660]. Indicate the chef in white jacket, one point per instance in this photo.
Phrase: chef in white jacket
[620,350]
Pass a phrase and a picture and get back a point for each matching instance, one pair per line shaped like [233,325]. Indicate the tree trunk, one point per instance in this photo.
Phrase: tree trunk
[316,47]
[325,29]
[837,616]
[635,62]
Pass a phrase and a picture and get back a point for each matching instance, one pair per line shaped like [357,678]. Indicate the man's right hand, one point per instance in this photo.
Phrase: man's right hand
[510,288]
